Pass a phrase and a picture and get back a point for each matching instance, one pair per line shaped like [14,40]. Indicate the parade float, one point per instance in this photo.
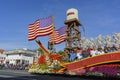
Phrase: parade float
[107,64]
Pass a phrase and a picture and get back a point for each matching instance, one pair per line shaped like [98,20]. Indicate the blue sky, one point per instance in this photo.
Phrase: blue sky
[96,16]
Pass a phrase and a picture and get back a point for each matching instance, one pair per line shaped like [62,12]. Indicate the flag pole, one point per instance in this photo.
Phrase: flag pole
[53,33]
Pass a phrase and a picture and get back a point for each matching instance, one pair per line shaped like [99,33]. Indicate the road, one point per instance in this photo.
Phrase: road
[24,75]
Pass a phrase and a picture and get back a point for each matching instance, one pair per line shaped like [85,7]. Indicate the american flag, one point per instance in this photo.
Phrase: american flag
[58,36]
[41,27]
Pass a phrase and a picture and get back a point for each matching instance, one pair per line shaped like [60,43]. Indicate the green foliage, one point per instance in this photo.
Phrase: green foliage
[40,51]
[43,66]
[61,53]
[56,66]
[64,56]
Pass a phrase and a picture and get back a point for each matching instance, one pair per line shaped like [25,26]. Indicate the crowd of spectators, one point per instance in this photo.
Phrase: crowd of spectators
[15,66]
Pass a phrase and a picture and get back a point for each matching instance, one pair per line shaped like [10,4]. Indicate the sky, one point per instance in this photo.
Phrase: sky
[96,16]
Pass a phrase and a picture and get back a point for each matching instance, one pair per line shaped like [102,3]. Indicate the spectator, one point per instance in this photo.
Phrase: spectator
[94,52]
[85,53]
[115,47]
[79,53]
[105,49]
[100,50]
[72,55]
[109,49]
[89,49]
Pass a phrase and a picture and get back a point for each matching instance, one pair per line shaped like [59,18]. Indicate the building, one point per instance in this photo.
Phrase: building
[20,56]
[2,56]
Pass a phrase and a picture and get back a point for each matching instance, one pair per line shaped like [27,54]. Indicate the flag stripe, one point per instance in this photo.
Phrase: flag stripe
[32,31]
[58,36]
[42,27]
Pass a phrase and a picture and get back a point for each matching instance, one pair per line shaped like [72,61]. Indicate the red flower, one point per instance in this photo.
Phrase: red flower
[42,60]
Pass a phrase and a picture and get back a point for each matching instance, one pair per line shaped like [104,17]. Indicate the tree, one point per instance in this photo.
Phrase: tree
[40,51]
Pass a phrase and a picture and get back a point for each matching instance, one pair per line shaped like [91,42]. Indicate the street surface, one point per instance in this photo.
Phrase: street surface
[24,75]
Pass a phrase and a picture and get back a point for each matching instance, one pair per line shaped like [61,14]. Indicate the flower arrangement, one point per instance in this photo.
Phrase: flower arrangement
[101,40]
[105,70]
